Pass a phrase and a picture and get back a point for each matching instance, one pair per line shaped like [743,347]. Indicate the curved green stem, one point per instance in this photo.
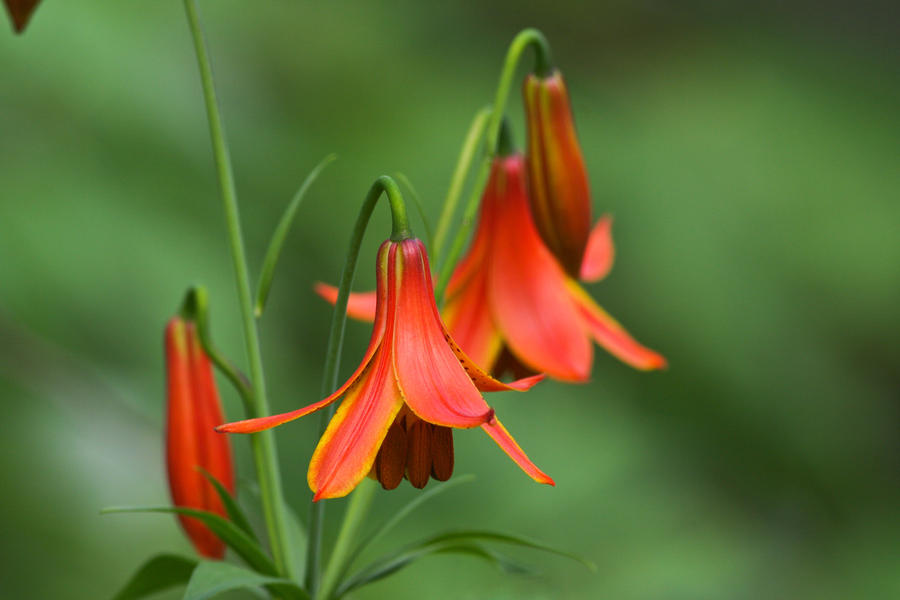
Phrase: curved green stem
[417,202]
[280,234]
[460,174]
[360,500]
[542,66]
[196,308]
[400,231]
[263,443]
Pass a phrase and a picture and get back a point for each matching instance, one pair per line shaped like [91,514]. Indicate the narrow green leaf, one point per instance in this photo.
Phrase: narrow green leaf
[295,532]
[211,578]
[389,566]
[505,538]
[235,513]
[404,512]
[157,574]
[429,236]
[453,541]
[280,234]
[245,546]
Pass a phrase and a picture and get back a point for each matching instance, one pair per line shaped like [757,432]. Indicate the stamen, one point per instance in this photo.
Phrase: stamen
[442,453]
[418,457]
[391,461]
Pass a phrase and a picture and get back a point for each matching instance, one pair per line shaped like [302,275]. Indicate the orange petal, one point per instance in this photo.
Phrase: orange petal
[468,319]
[263,423]
[500,435]
[600,252]
[613,336]
[360,305]
[347,450]
[528,296]
[430,376]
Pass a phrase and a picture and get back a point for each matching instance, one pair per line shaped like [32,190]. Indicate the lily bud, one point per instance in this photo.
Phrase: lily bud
[192,443]
[558,185]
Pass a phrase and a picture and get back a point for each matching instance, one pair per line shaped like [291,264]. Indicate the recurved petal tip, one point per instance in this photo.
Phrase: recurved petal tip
[360,305]
[526,383]
[600,251]
[501,436]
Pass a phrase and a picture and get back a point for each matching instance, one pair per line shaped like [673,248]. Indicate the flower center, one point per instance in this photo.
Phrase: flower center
[414,449]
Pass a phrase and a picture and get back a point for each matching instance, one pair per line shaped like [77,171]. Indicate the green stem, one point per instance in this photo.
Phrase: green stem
[196,309]
[542,66]
[360,500]
[263,443]
[460,174]
[400,231]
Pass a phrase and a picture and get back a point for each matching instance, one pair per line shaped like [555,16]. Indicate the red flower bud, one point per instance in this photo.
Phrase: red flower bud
[558,184]
[191,441]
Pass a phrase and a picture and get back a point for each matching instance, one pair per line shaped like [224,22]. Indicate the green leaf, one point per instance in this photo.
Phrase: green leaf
[404,512]
[450,542]
[235,513]
[515,540]
[389,566]
[157,574]
[236,539]
[295,531]
[280,234]
[211,578]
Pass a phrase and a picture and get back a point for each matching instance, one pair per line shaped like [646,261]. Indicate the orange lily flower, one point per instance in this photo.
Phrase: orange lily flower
[413,385]
[509,292]
[191,441]
[559,195]
[510,305]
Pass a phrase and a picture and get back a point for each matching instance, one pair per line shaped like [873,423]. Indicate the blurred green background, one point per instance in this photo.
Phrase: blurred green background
[749,153]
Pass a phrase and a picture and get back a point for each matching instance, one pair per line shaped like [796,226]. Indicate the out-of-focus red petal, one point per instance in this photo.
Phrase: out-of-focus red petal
[528,296]
[500,435]
[360,305]
[263,423]
[612,336]
[600,251]
[430,376]
[468,318]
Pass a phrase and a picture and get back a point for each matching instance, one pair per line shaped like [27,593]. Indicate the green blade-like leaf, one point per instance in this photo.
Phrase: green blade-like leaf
[235,513]
[295,531]
[389,566]
[280,234]
[404,512]
[505,538]
[245,546]
[157,574]
[452,541]
[211,578]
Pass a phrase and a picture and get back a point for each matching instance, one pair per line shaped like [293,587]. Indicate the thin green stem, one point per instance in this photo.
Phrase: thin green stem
[263,443]
[196,309]
[463,165]
[400,231]
[417,202]
[526,38]
[360,500]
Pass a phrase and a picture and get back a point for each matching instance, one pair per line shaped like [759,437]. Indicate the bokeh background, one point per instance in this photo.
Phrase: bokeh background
[749,153]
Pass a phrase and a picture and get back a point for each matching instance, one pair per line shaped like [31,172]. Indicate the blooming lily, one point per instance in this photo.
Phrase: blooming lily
[509,291]
[557,179]
[413,385]
[191,442]
[510,305]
